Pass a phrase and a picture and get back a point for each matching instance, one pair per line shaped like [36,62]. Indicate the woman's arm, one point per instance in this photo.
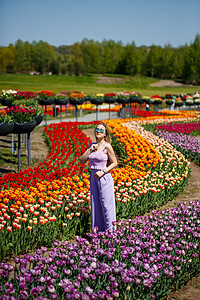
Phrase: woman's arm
[112,158]
[84,157]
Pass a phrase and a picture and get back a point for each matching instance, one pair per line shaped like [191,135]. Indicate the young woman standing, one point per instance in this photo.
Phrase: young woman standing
[102,198]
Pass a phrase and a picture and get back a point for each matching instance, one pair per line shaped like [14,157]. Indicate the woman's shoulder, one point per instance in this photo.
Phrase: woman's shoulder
[107,145]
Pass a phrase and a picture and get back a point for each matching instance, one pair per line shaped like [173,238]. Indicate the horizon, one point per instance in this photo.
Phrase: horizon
[97,41]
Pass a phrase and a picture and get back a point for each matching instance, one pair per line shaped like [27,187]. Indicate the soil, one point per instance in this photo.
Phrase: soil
[109,80]
[39,151]
[168,83]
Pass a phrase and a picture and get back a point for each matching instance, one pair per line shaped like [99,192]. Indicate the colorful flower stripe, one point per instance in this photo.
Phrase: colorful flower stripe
[187,145]
[181,128]
[144,114]
[43,178]
[167,119]
[141,155]
[65,138]
[166,180]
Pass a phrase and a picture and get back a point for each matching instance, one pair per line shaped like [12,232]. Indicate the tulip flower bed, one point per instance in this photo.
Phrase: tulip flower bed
[179,135]
[51,201]
[182,117]
[152,123]
[30,207]
[142,259]
[189,146]
[189,128]
[143,113]
[139,192]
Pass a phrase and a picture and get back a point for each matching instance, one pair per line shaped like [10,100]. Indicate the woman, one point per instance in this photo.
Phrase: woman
[101,182]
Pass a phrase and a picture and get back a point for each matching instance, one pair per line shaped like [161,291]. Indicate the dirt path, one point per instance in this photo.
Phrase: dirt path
[160,83]
[9,161]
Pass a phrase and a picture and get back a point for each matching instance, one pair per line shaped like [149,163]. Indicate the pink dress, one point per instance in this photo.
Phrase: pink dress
[102,198]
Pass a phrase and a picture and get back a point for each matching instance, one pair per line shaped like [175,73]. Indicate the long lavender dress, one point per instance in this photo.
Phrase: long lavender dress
[101,192]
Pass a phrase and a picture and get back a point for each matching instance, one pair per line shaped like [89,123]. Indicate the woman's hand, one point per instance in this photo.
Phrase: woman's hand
[98,174]
[94,147]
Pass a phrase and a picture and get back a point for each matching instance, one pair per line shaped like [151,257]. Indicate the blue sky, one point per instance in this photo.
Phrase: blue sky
[64,22]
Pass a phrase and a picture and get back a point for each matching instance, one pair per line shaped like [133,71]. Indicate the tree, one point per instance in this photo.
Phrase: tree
[20,56]
[28,62]
[191,71]
[90,56]
[7,59]
[43,55]
[166,62]
[76,64]
[177,61]
[153,61]
[110,55]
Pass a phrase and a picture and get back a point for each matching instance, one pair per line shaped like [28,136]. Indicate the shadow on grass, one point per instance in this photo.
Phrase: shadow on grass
[5,141]
[6,171]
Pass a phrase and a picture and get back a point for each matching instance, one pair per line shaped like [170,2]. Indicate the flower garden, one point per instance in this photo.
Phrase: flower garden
[46,210]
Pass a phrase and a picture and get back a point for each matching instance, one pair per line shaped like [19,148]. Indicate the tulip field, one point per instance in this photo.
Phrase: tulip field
[46,210]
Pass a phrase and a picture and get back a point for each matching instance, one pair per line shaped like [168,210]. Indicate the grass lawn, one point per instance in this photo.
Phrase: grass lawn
[87,84]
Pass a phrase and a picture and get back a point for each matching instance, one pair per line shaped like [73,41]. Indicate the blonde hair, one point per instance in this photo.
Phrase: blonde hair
[107,137]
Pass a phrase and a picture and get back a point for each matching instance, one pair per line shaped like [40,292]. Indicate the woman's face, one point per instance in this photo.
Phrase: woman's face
[100,131]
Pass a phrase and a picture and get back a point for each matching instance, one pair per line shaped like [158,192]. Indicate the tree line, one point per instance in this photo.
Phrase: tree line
[108,56]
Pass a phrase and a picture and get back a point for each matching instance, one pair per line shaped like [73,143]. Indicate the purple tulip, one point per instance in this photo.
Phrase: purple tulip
[56,244]
[137,281]
[79,278]
[76,296]
[53,296]
[4,274]
[147,283]
[183,141]
[23,295]
[115,293]
[88,290]
[67,272]
[93,277]
[34,291]
[22,285]
[10,288]
[50,288]
[42,279]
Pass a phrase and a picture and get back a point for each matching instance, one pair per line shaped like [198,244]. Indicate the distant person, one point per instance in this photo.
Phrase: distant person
[173,104]
[183,99]
[196,94]
[147,107]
